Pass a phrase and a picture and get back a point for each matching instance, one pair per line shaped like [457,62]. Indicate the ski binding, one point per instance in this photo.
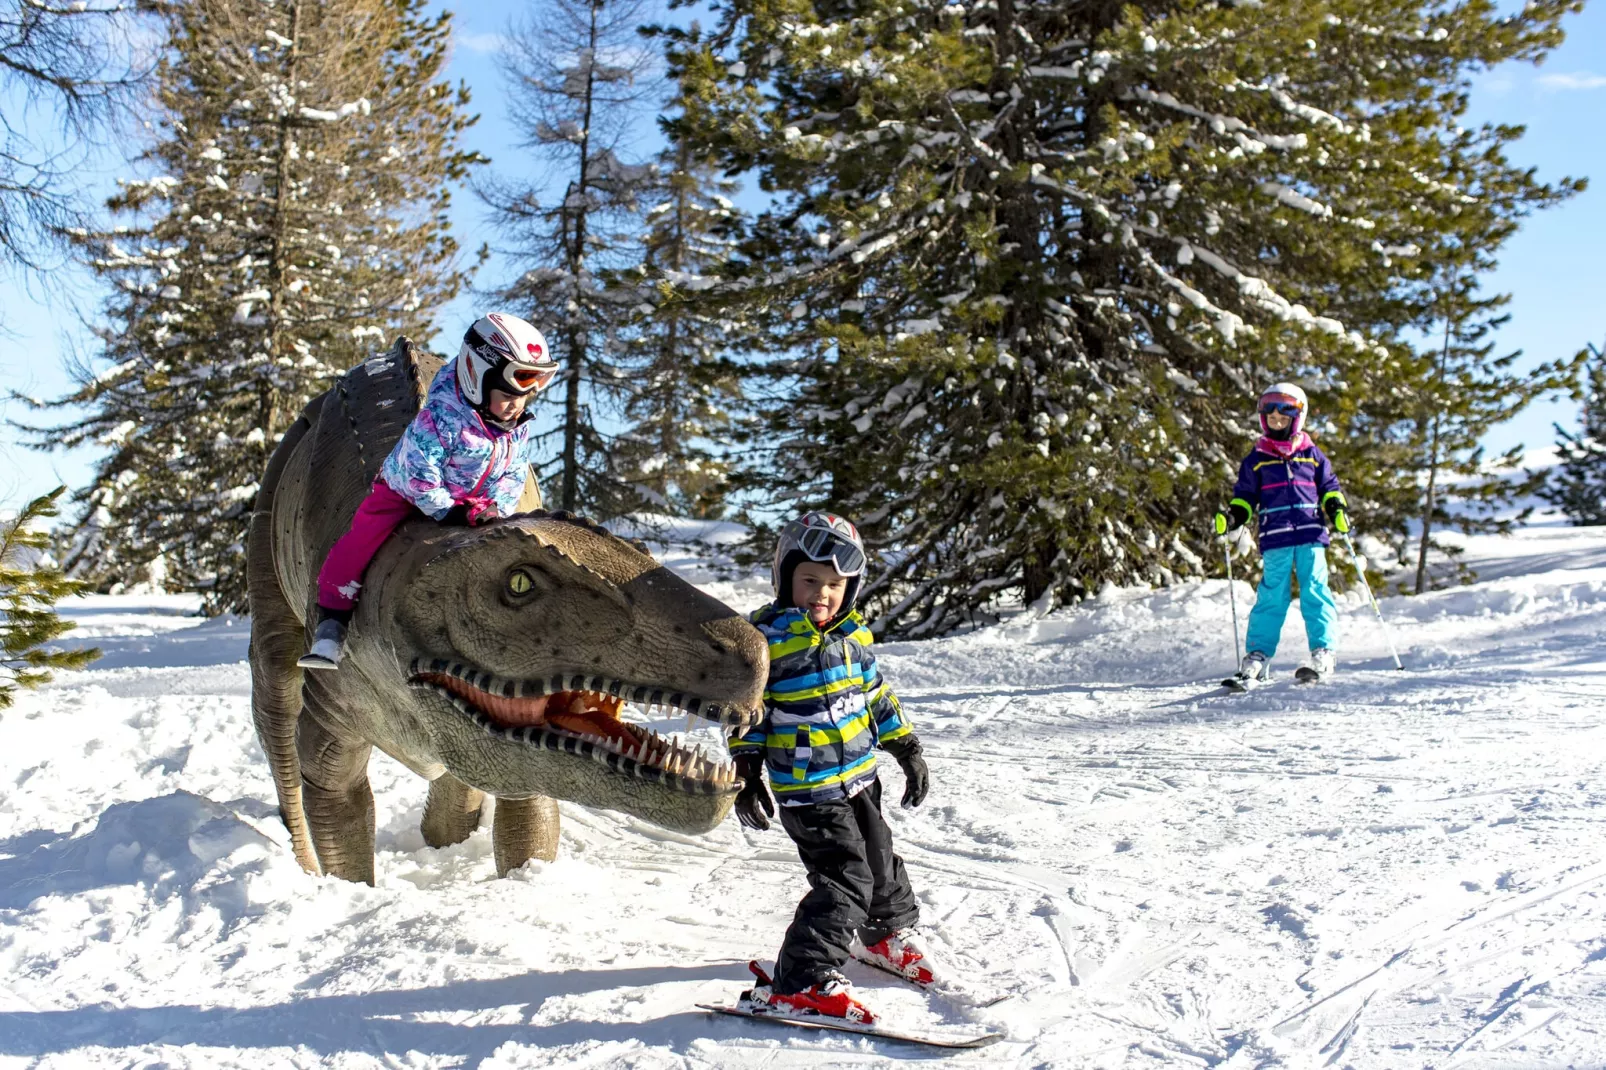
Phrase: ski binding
[980,1004]
[844,1026]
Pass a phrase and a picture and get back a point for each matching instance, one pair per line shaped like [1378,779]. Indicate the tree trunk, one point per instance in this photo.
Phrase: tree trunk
[1433,468]
[577,335]
[267,401]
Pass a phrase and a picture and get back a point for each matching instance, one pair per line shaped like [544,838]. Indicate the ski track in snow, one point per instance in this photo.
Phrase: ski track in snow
[1388,870]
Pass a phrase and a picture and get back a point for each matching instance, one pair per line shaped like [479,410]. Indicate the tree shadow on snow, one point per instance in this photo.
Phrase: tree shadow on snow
[376,1023]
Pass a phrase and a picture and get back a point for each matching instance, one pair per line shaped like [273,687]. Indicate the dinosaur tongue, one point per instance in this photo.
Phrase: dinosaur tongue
[601,719]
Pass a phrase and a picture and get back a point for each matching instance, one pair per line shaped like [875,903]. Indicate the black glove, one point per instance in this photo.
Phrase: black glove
[456,516]
[1231,518]
[917,779]
[1337,510]
[754,807]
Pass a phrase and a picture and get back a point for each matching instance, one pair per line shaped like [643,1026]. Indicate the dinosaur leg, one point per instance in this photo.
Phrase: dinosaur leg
[334,788]
[524,829]
[452,813]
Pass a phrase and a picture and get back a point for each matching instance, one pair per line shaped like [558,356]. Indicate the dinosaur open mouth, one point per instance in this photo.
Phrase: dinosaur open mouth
[580,715]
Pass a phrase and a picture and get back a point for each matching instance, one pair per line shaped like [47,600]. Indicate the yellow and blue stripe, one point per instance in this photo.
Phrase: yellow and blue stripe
[826,708]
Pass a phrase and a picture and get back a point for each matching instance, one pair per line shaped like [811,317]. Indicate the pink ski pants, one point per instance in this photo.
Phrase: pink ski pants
[340,579]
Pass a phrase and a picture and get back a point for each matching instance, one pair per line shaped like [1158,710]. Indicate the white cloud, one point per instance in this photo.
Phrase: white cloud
[1576,80]
[481,42]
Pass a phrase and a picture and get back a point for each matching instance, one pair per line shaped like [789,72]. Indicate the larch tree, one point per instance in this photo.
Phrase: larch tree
[1034,261]
[68,74]
[1577,486]
[295,220]
[681,356]
[578,77]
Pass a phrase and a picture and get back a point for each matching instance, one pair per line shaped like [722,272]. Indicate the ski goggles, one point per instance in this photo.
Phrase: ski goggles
[823,544]
[521,379]
[1285,408]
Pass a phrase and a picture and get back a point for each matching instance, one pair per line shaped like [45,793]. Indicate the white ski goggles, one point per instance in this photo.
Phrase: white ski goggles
[824,544]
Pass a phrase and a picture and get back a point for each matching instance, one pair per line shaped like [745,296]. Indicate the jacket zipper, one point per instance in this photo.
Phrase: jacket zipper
[495,442]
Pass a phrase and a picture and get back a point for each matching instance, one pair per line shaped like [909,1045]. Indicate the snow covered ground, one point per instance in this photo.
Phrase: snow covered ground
[1390,870]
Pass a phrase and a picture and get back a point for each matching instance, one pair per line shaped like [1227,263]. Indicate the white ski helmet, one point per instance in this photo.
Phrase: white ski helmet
[1284,394]
[818,537]
[502,352]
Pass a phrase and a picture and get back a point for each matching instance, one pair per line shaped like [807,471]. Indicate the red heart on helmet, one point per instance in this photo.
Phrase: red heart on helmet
[534,349]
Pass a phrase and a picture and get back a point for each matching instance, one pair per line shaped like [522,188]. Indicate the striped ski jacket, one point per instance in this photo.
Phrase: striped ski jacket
[1287,493]
[825,709]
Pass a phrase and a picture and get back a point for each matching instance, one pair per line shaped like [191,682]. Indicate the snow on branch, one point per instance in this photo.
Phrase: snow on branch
[1221,124]
[319,115]
[1294,199]
[1259,291]
[1228,324]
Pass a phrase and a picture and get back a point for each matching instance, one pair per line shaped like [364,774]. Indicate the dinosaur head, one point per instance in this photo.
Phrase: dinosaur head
[515,647]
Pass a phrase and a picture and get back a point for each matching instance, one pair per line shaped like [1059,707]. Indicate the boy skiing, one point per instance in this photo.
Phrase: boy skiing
[1287,483]
[461,460]
[826,710]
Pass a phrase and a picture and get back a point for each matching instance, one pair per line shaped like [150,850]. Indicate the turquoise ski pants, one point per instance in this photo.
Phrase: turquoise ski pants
[1315,599]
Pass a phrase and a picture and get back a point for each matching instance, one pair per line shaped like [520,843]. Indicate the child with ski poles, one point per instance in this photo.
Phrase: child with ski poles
[826,710]
[462,459]
[1287,483]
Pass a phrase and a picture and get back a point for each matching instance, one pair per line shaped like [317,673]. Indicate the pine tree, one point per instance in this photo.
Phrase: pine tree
[578,76]
[297,220]
[687,384]
[1035,261]
[1464,391]
[30,586]
[1578,486]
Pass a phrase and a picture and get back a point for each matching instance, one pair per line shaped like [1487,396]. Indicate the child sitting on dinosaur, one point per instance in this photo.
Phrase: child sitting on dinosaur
[462,460]
[826,708]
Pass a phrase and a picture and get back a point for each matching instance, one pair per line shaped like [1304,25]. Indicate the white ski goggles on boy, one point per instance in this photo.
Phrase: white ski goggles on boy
[823,542]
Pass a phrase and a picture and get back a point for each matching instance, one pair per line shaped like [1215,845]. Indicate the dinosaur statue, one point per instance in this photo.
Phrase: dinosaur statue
[488,660]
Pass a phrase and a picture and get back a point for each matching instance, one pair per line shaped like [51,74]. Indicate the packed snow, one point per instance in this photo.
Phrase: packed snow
[1392,869]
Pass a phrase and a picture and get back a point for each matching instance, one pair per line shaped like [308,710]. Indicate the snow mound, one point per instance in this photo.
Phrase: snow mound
[178,844]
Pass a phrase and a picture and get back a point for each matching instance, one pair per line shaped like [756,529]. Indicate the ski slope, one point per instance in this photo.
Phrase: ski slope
[1388,870]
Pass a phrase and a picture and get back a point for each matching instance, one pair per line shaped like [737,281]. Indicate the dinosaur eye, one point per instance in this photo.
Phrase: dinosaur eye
[519,581]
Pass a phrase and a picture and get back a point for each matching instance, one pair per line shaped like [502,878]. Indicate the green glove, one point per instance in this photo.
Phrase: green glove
[1341,521]
[1231,518]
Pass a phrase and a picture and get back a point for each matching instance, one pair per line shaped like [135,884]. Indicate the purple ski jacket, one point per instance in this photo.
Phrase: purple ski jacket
[1285,486]
[449,454]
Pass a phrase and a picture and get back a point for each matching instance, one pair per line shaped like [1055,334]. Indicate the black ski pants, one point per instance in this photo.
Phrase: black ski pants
[856,883]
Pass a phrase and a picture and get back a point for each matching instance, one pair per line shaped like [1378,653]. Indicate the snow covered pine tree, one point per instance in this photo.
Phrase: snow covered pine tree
[296,220]
[680,354]
[1039,255]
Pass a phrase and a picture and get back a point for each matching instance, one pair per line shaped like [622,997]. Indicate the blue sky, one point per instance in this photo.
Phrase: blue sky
[1554,268]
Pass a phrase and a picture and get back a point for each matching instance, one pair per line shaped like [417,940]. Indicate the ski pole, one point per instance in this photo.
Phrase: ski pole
[1232,596]
[1360,570]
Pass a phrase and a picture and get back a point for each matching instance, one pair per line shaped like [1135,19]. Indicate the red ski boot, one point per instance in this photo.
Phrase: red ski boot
[899,953]
[829,997]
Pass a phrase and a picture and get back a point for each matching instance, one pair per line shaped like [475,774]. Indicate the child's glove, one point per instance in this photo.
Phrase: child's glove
[754,807]
[1337,513]
[1232,518]
[471,513]
[917,778]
